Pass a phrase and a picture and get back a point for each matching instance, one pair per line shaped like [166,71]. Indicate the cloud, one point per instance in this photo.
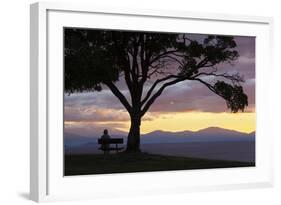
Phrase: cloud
[196,97]
[91,129]
[183,96]
[246,46]
[103,99]
[96,114]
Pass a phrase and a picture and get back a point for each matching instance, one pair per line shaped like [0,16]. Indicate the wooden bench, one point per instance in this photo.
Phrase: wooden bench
[105,144]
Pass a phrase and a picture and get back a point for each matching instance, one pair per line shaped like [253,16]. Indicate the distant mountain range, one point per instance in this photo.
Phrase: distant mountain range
[211,134]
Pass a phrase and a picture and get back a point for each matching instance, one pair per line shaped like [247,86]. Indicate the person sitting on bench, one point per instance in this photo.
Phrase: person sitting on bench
[105,136]
[105,140]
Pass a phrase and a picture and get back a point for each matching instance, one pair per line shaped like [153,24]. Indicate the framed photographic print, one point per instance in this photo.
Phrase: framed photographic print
[128,101]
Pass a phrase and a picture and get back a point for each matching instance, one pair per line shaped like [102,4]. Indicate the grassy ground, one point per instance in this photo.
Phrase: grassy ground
[139,162]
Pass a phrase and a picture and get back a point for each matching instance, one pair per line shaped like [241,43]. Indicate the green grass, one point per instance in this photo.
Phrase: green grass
[139,162]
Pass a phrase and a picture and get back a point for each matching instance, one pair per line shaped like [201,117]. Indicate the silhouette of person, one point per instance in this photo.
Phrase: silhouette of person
[105,136]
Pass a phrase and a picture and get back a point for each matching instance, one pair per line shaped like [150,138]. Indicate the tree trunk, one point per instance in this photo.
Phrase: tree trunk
[133,142]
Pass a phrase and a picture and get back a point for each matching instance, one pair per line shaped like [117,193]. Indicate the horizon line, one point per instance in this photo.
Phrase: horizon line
[178,131]
[196,130]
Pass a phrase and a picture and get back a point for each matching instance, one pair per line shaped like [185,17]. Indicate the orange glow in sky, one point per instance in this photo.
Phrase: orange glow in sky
[244,122]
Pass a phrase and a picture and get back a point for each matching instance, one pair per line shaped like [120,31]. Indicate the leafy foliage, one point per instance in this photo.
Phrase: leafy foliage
[235,98]
[96,57]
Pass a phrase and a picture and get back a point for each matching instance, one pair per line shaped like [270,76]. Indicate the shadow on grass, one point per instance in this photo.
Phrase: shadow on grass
[139,162]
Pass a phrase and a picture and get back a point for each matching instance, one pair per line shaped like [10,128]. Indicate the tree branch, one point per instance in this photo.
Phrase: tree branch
[234,78]
[161,55]
[209,86]
[128,78]
[206,84]
[159,92]
[119,95]
[150,91]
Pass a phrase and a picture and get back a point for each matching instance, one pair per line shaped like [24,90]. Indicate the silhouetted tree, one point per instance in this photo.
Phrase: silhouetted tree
[102,57]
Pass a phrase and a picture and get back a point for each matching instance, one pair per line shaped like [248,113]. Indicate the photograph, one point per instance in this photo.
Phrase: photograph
[146,101]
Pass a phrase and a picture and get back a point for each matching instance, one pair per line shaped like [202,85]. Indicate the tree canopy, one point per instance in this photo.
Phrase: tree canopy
[102,57]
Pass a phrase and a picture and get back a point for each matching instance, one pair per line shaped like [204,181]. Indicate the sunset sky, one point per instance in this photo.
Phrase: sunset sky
[187,105]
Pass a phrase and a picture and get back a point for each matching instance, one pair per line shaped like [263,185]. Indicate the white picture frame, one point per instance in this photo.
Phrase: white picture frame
[47,182]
